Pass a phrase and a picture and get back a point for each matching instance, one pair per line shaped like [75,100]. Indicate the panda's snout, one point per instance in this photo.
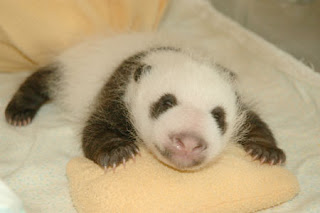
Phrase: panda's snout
[185,144]
[185,150]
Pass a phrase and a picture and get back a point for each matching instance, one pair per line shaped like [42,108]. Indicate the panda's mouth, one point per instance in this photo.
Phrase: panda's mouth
[181,160]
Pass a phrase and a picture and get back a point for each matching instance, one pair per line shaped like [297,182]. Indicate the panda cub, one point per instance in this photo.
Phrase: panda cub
[137,89]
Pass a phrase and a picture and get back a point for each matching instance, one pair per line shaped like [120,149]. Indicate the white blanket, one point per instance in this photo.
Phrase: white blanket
[285,92]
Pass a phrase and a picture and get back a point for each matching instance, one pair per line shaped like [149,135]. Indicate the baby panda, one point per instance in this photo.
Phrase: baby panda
[139,89]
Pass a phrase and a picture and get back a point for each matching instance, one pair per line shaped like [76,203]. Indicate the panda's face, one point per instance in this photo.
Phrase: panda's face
[184,111]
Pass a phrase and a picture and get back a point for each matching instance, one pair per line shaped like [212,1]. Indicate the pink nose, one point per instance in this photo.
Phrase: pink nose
[187,145]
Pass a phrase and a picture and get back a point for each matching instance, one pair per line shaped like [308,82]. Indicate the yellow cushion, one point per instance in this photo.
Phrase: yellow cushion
[33,31]
[233,183]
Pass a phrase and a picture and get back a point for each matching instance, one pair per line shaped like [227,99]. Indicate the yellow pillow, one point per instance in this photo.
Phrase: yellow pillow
[233,183]
[33,31]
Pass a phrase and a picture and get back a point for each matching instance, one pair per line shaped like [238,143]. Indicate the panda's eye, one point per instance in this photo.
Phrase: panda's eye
[219,115]
[169,103]
[164,103]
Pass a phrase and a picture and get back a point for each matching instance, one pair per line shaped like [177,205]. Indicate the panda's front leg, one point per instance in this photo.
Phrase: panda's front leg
[106,146]
[259,142]
[31,95]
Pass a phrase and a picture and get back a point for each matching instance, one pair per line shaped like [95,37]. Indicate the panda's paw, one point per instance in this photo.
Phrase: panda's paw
[118,155]
[265,153]
[19,114]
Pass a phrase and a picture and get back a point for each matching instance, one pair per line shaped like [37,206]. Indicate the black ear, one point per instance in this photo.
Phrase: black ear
[227,71]
[141,70]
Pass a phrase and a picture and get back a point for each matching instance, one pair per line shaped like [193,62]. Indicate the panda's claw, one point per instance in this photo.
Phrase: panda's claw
[263,159]
[255,157]
[19,120]
[265,153]
[281,162]
[249,151]
[116,156]
[138,152]
[133,157]
[124,162]
[272,162]
[105,168]
[114,166]
[19,116]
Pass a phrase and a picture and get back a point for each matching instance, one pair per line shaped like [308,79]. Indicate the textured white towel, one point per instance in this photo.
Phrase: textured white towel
[287,93]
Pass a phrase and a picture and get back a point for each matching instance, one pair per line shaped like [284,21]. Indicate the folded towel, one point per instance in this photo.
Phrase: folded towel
[234,183]
[9,202]
[31,32]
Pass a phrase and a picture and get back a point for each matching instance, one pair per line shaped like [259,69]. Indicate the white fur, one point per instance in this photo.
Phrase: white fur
[199,87]
[88,66]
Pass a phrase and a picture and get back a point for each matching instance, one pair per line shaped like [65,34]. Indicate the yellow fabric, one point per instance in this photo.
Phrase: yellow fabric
[234,183]
[32,31]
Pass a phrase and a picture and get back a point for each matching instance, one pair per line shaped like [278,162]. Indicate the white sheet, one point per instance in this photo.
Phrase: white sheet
[9,202]
[286,93]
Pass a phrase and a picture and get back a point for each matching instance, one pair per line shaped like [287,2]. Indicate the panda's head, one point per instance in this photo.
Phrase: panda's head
[183,109]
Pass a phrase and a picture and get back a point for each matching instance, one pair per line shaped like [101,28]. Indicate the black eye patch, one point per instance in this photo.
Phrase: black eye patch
[140,71]
[164,103]
[219,115]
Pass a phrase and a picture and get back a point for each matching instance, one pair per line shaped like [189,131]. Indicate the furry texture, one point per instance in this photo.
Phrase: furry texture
[172,71]
[140,87]
[198,87]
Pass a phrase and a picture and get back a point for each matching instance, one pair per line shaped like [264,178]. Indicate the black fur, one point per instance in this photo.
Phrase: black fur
[257,138]
[259,141]
[219,115]
[164,103]
[31,95]
[140,71]
[226,70]
[109,137]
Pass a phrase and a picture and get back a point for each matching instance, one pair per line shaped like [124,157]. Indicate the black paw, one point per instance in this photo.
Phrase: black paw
[117,155]
[19,115]
[265,153]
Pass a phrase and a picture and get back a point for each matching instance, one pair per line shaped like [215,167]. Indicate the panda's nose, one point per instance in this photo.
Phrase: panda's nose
[185,150]
[187,144]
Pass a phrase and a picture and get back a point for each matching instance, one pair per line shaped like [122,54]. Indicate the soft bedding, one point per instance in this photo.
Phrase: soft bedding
[33,159]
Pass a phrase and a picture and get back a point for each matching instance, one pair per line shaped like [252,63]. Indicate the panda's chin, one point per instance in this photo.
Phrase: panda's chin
[184,165]
[180,162]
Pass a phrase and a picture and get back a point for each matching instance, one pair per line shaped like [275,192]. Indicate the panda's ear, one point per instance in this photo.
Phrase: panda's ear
[141,70]
[227,71]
